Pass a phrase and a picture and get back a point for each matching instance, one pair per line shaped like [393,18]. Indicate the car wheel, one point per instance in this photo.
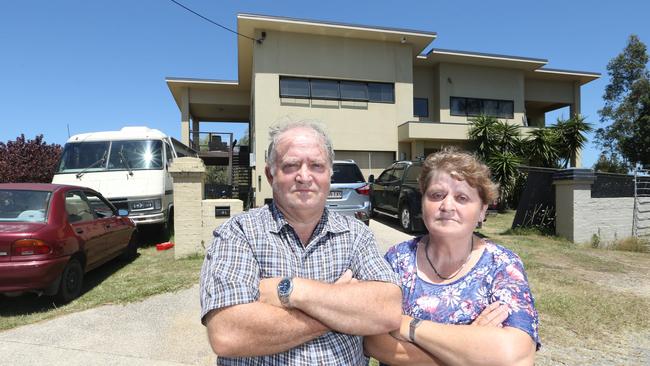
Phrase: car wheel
[371,212]
[131,250]
[71,281]
[406,218]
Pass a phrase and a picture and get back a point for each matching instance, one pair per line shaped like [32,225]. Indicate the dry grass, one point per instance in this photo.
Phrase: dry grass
[631,245]
[586,297]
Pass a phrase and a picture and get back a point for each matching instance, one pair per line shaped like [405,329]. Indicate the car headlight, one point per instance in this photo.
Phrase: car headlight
[144,205]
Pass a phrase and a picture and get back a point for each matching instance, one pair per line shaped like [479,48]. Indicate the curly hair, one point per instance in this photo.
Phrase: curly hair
[460,165]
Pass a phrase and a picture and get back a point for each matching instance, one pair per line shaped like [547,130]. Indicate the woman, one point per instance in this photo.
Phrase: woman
[466,300]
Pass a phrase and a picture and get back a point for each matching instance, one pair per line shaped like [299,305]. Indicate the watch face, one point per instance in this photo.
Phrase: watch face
[284,286]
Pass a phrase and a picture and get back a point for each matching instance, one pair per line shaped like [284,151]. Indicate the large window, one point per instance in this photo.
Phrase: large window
[421,107]
[473,107]
[294,87]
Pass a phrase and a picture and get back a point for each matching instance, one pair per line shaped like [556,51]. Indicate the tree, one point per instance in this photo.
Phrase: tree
[542,148]
[571,138]
[499,145]
[610,164]
[28,160]
[629,86]
[637,147]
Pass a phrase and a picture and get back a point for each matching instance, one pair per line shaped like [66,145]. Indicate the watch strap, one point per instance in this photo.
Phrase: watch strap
[412,326]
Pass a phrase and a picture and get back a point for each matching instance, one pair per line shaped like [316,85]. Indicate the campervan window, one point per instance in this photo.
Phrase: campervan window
[135,155]
[116,155]
[84,155]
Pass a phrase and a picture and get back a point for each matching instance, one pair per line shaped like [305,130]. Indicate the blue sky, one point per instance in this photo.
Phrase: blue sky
[101,65]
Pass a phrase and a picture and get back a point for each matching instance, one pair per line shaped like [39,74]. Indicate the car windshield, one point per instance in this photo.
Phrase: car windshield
[106,155]
[23,205]
[347,173]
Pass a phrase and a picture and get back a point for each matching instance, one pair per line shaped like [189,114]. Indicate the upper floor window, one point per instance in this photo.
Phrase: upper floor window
[473,107]
[421,107]
[295,87]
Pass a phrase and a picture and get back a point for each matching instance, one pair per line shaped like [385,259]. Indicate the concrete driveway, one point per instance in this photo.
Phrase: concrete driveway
[161,330]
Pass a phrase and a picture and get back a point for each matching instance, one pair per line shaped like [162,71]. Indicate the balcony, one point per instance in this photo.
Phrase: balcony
[411,131]
[440,131]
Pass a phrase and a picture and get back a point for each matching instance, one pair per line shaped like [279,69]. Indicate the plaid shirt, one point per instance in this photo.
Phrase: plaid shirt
[261,244]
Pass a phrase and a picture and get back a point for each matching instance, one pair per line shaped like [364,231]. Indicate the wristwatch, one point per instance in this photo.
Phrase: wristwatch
[285,286]
[412,325]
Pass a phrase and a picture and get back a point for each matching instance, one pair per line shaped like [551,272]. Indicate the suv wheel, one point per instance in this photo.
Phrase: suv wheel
[406,218]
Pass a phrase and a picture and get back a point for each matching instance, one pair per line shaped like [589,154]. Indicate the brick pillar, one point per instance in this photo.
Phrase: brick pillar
[188,174]
[573,193]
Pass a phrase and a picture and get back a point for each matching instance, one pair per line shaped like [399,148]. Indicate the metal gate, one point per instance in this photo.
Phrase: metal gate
[641,224]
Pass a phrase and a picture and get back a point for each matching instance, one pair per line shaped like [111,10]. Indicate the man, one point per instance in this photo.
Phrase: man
[292,283]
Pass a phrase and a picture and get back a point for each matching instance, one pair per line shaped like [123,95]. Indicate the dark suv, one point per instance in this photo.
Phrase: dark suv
[396,193]
[349,192]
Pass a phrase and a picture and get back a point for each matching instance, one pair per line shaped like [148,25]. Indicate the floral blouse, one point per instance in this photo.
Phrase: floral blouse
[498,276]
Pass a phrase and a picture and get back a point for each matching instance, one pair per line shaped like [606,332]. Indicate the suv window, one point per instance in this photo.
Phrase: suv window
[347,173]
[413,172]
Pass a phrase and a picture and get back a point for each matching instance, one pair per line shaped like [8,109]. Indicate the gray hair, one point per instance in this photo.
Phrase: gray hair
[280,128]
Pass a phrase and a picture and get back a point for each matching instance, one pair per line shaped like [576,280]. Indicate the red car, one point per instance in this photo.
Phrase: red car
[51,235]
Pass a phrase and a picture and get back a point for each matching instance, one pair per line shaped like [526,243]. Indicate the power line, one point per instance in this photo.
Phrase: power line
[212,21]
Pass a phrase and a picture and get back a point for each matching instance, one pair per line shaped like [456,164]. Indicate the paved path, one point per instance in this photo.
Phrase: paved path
[161,330]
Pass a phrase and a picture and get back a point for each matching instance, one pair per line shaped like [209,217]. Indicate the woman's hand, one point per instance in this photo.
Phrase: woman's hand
[493,315]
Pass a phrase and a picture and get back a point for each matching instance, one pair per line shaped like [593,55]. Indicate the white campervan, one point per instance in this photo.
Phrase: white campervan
[129,167]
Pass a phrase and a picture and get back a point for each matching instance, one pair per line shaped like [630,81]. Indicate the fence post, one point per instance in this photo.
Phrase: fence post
[572,193]
[188,174]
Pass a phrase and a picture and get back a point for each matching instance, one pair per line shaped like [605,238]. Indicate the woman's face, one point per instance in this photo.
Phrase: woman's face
[451,207]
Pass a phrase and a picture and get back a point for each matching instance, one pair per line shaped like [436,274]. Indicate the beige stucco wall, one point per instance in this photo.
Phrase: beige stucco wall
[352,125]
[549,91]
[470,81]
[579,217]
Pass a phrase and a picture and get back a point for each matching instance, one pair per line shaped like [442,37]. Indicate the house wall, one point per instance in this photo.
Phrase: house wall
[353,126]
[549,91]
[456,80]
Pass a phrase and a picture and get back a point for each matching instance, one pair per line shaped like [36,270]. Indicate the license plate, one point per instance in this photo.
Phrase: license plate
[335,195]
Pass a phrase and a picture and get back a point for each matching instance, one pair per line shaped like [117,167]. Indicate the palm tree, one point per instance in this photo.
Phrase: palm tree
[504,170]
[542,148]
[571,137]
[499,145]
[482,135]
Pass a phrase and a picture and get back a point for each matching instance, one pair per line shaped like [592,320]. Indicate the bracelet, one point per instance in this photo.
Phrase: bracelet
[412,325]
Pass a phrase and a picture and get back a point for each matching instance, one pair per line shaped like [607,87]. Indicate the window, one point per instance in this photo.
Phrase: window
[346,173]
[473,107]
[324,89]
[77,207]
[413,173]
[136,154]
[506,109]
[101,207]
[421,107]
[294,87]
[457,106]
[381,92]
[354,90]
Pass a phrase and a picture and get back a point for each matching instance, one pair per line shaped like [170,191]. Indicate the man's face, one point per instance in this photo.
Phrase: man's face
[302,172]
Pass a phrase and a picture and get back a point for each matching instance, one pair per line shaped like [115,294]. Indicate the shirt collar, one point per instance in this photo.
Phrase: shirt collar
[327,223]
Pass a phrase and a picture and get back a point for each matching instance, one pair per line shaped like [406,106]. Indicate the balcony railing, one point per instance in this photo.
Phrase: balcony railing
[211,141]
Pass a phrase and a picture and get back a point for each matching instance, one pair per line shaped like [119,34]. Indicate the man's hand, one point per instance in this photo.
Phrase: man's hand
[269,291]
[493,315]
[346,278]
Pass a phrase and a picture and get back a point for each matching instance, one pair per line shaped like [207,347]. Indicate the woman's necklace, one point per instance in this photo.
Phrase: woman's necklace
[426,253]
